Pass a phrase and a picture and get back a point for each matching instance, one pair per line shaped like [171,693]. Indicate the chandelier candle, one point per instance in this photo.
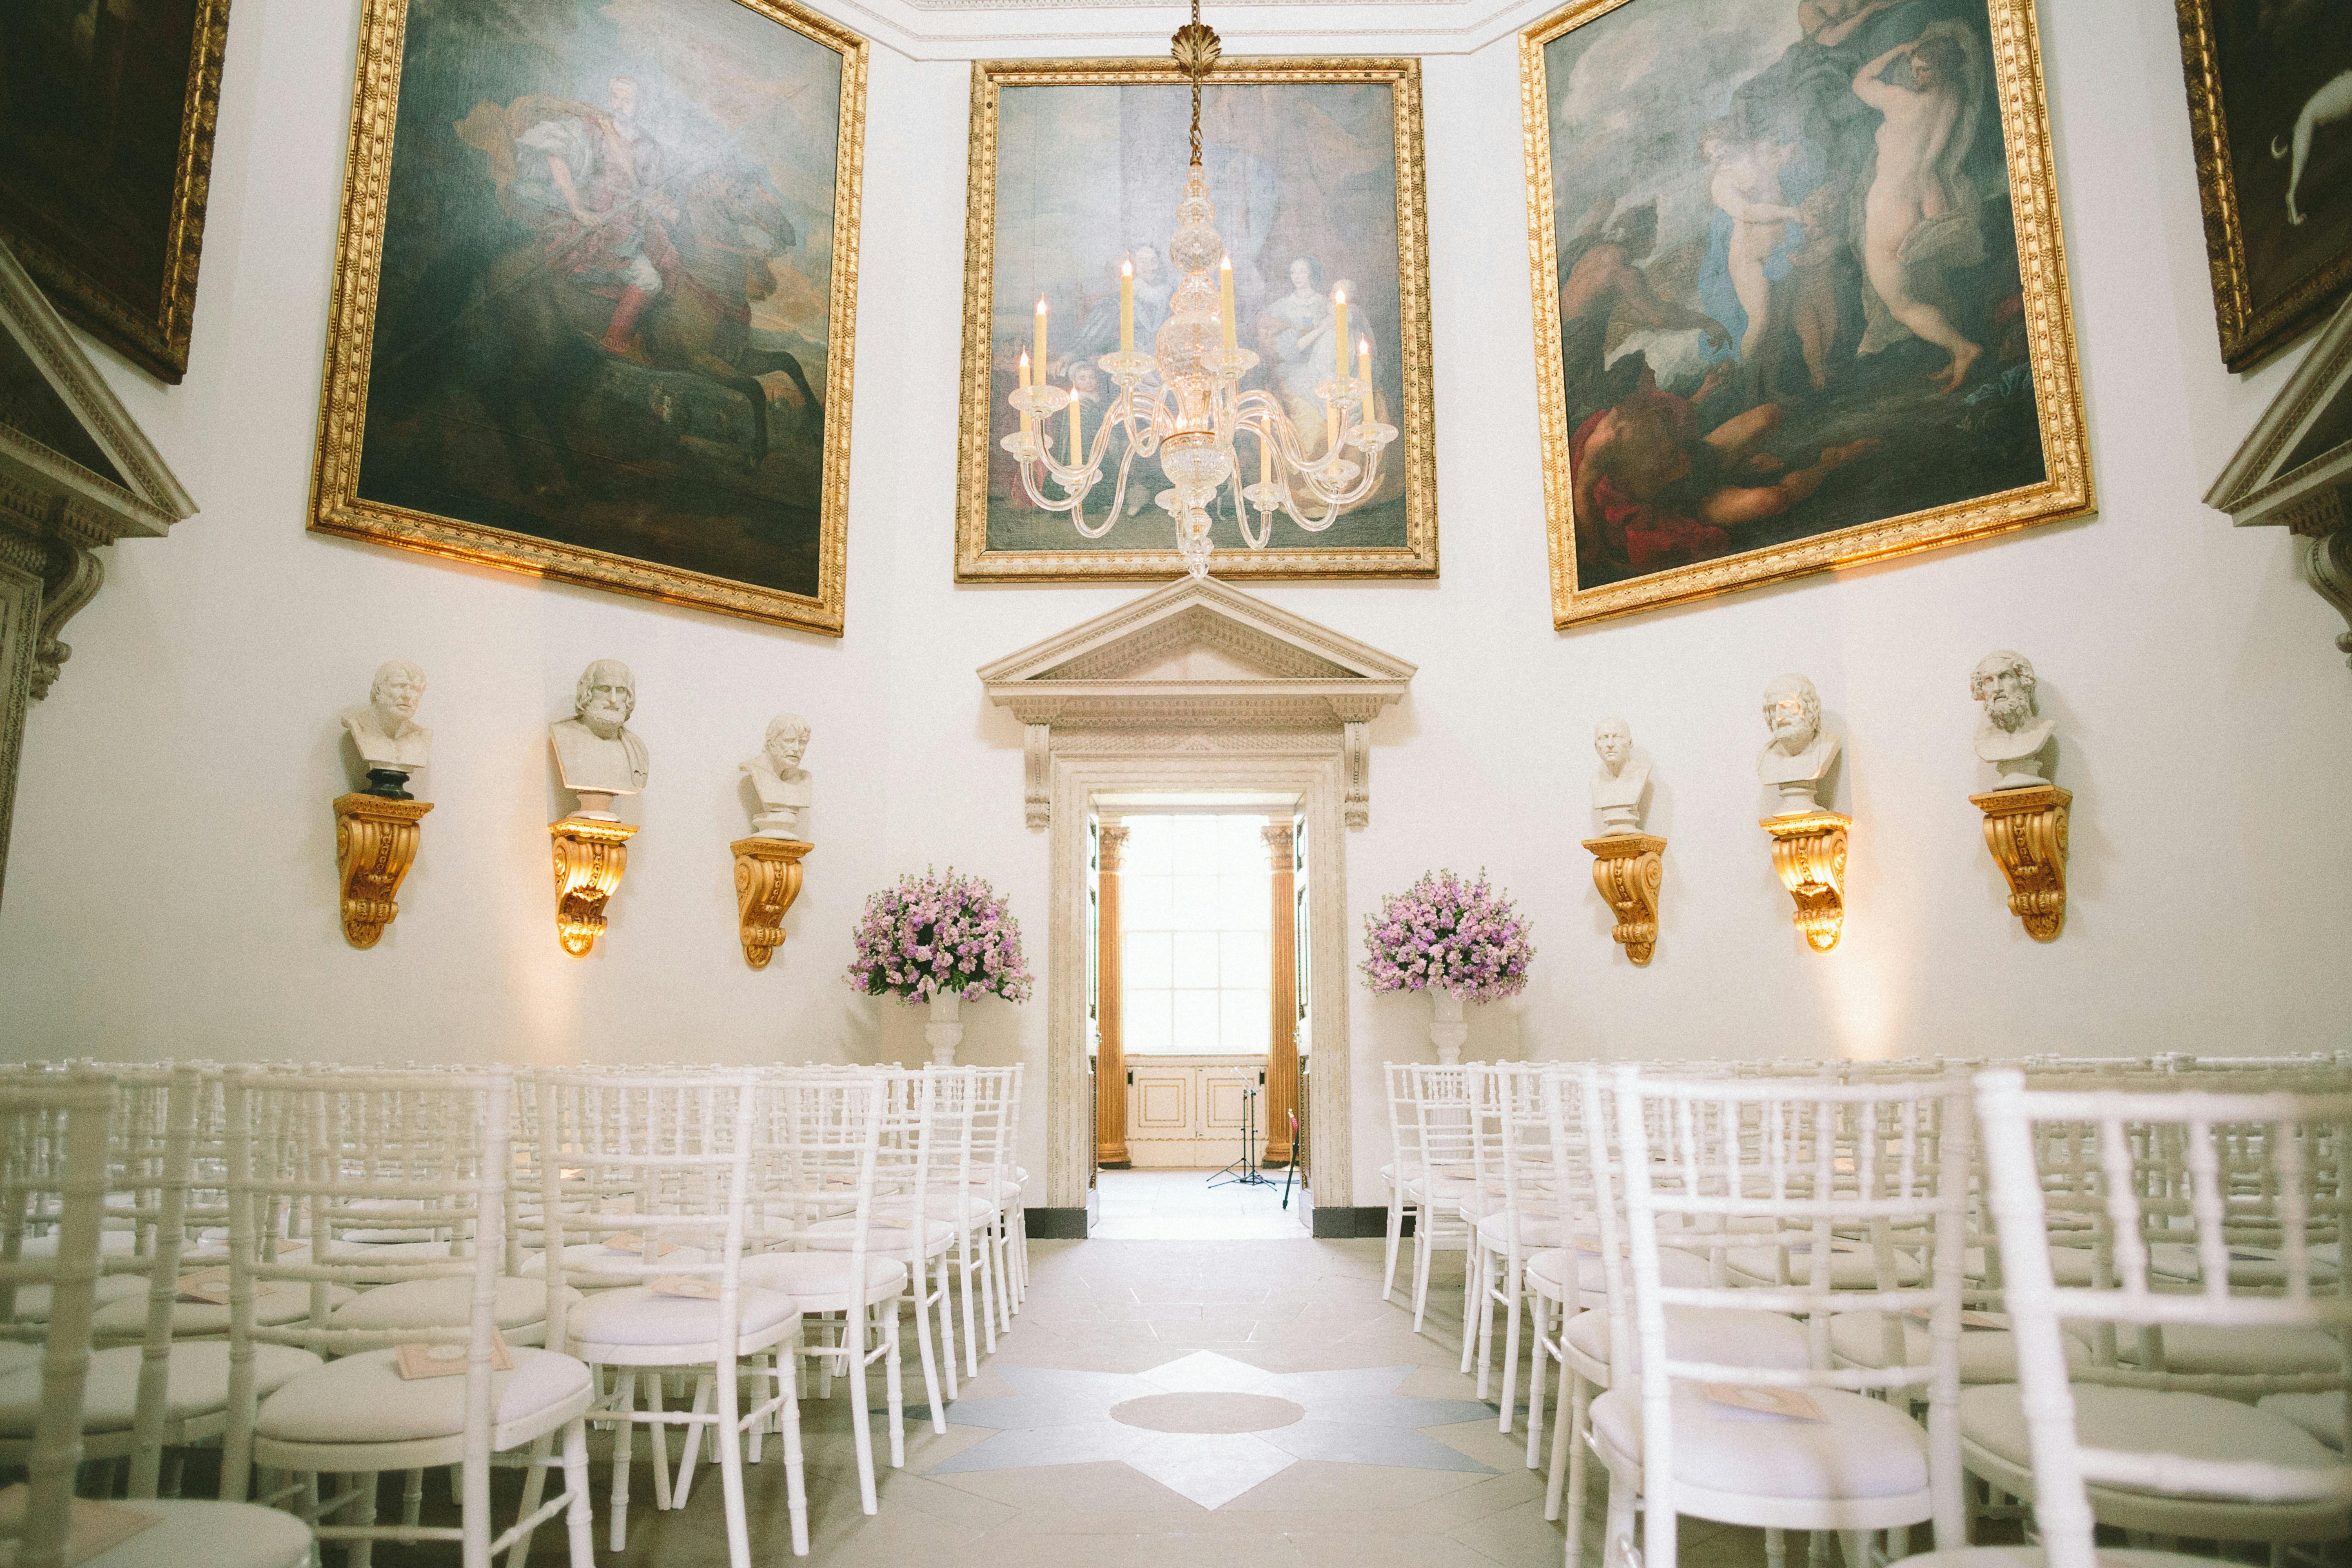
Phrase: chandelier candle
[1183,402]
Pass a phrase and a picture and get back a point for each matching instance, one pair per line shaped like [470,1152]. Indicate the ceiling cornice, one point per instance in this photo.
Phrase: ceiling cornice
[958,30]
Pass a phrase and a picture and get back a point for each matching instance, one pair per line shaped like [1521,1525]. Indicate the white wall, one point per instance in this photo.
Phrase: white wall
[170,885]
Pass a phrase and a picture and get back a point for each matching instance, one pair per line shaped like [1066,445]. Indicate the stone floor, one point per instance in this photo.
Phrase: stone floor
[1181,1205]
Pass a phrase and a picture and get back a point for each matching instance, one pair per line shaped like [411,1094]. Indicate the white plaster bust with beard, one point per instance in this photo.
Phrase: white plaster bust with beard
[2013,737]
[782,784]
[599,755]
[384,729]
[1800,751]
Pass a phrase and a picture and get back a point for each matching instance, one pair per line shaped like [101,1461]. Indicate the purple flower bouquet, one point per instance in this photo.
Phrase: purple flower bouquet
[938,937]
[1445,934]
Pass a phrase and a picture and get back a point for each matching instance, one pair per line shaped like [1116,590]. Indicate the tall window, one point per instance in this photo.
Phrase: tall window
[1196,975]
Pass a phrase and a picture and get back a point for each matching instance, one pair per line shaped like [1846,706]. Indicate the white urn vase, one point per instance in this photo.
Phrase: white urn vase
[1446,1029]
[944,1033]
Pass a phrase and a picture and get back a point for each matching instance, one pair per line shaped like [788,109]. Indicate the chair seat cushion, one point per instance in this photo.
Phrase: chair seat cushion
[1724,1335]
[363,1399]
[199,1320]
[1986,1355]
[940,1204]
[1853,1270]
[1549,1268]
[2250,1268]
[189,1534]
[446,1303]
[33,1301]
[591,1260]
[821,1281]
[1865,1448]
[2238,1349]
[197,1385]
[2321,1414]
[1535,1232]
[839,1234]
[2146,1421]
[638,1316]
[2033,1557]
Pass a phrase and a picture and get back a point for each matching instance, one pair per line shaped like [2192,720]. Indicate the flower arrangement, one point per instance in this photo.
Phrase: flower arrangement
[937,936]
[1445,934]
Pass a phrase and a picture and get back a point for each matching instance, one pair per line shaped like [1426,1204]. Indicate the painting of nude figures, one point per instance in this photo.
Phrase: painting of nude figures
[1076,167]
[2270,111]
[1800,295]
[595,297]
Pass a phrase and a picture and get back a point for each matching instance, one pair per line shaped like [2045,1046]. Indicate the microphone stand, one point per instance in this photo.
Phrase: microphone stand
[1243,1172]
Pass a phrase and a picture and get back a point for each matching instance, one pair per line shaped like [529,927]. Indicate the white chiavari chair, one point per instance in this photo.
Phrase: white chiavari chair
[1444,1180]
[1514,1151]
[2141,1444]
[53,1178]
[1864,1159]
[682,1147]
[353,1155]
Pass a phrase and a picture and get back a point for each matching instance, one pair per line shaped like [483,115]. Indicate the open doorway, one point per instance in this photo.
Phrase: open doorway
[1198,1011]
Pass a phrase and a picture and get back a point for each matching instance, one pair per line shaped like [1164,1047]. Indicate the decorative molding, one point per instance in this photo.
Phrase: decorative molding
[2327,567]
[1628,869]
[375,844]
[1129,676]
[20,622]
[74,577]
[589,857]
[2026,831]
[1809,853]
[767,880]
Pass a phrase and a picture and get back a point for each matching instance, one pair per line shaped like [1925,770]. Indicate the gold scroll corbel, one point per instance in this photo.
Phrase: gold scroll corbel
[767,880]
[1809,853]
[375,844]
[589,860]
[1627,870]
[2026,831]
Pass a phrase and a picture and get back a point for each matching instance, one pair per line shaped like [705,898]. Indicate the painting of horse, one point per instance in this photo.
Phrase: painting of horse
[607,336]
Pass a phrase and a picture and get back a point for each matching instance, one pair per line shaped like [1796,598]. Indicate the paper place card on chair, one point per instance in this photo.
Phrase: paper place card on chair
[1792,1402]
[629,1241]
[91,1528]
[688,1286]
[449,1361]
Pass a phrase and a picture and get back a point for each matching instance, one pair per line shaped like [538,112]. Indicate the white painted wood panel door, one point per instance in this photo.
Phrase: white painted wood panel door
[1186,1112]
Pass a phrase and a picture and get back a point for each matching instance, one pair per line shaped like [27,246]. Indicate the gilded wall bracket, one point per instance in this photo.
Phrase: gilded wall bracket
[2026,831]
[375,844]
[1628,868]
[1809,853]
[589,860]
[767,880]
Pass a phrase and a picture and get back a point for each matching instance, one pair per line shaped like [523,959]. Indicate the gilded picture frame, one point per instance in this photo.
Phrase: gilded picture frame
[1051,549]
[110,219]
[701,405]
[2255,75]
[1602,575]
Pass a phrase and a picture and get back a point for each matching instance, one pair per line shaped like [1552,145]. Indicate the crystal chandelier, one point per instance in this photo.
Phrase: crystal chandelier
[1183,402]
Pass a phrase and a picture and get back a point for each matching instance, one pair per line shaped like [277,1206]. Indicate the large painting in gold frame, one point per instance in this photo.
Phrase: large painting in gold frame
[2269,88]
[1728,396]
[1315,165]
[595,297]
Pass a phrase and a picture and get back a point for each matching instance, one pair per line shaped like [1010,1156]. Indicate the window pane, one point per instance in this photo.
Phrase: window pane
[1195,1015]
[1244,1020]
[1195,907]
[1194,840]
[1143,903]
[1244,958]
[1196,960]
[1147,846]
[1147,960]
[1145,1028]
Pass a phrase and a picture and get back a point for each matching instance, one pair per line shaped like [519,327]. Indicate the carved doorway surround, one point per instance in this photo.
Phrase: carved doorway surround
[1196,688]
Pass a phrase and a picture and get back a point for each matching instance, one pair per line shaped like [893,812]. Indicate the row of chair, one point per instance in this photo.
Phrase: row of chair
[344,1272]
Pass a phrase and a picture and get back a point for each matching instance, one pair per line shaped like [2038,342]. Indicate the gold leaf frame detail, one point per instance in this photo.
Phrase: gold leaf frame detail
[335,504]
[2249,334]
[154,333]
[2064,493]
[975,562]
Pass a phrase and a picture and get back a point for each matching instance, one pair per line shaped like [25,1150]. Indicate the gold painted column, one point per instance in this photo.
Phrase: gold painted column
[1111,1058]
[1281,1097]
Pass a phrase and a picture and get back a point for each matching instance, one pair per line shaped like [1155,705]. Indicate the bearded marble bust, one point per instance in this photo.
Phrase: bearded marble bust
[598,754]
[782,784]
[1619,783]
[2013,736]
[1800,751]
[384,729]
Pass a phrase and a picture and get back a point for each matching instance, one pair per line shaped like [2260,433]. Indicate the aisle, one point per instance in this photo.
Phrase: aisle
[1181,1205]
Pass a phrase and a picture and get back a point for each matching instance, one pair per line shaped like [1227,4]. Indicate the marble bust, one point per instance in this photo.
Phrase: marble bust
[2012,737]
[1619,783]
[1800,751]
[598,754]
[781,782]
[384,729]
